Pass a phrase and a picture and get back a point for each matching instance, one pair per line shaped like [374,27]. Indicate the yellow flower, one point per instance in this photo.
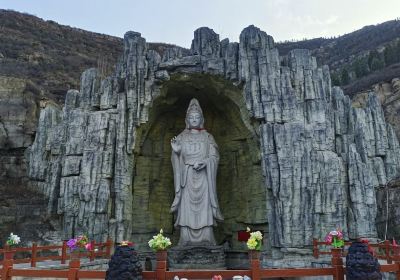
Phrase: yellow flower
[251,243]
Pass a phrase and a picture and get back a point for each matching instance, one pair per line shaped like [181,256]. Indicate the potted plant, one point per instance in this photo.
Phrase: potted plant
[12,240]
[160,243]
[254,244]
[78,245]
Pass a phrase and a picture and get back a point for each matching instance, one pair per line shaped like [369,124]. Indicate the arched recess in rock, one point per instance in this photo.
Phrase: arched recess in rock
[240,184]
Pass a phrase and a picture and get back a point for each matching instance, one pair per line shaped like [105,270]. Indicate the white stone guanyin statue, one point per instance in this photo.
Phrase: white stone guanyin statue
[195,161]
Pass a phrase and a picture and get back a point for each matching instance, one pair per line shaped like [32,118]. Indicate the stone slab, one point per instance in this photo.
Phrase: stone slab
[196,257]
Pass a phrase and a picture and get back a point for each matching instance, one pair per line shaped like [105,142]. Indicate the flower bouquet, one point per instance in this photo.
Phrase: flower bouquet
[335,238]
[78,245]
[160,243]
[13,239]
[255,240]
[254,244]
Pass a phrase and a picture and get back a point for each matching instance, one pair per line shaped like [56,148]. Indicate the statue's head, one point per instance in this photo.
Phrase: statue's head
[194,115]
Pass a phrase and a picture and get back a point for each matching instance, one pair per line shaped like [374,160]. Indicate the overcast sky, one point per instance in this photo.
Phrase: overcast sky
[173,21]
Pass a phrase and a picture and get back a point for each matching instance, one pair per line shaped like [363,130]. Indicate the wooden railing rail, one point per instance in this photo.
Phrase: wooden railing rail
[337,271]
[102,250]
[384,251]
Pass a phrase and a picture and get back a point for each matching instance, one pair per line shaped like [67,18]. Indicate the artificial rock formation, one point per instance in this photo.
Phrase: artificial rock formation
[388,200]
[320,158]
[389,96]
[124,265]
[361,264]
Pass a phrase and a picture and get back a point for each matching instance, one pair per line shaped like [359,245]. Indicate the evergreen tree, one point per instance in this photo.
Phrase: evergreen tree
[377,64]
[335,78]
[344,77]
[390,55]
[373,55]
[360,67]
[397,51]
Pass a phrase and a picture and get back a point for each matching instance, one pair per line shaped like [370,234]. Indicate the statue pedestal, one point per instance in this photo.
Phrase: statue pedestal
[196,257]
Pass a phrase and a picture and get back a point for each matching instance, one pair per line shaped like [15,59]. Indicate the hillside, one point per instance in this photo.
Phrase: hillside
[358,59]
[52,56]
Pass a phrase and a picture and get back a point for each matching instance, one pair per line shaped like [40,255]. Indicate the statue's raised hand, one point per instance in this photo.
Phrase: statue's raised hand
[176,146]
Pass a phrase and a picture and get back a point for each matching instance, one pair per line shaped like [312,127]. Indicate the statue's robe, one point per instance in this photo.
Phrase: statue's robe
[195,202]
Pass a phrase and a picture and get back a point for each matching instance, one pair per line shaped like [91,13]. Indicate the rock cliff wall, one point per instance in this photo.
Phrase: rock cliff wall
[321,158]
[23,210]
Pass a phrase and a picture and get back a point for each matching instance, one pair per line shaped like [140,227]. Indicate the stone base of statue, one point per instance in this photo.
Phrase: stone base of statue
[196,257]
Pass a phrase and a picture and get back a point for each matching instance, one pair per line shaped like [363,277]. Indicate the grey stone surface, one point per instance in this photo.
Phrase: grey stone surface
[200,257]
[389,96]
[322,158]
[388,214]
[18,110]
[206,43]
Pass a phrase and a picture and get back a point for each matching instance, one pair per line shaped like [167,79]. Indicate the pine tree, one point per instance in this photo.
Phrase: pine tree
[344,77]
[360,67]
[335,79]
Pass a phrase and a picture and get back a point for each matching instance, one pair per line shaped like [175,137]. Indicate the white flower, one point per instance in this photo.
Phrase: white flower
[257,235]
[14,239]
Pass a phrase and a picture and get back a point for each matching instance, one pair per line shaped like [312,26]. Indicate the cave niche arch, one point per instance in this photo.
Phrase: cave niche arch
[240,184]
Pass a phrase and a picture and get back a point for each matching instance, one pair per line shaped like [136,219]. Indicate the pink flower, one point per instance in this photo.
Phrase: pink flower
[88,246]
[328,238]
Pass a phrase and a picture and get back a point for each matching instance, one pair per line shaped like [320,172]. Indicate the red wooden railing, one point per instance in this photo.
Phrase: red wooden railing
[337,270]
[384,251]
[102,250]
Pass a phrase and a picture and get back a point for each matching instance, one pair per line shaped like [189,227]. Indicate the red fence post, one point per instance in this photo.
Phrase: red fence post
[74,266]
[108,248]
[64,252]
[398,271]
[7,267]
[34,255]
[161,264]
[315,248]
[6,248]
[91,252]
[387,252]
[337,263]
[255,269]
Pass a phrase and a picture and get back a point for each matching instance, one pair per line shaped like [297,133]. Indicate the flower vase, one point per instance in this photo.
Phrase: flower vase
[9,255]
[254,254]
[161,255]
